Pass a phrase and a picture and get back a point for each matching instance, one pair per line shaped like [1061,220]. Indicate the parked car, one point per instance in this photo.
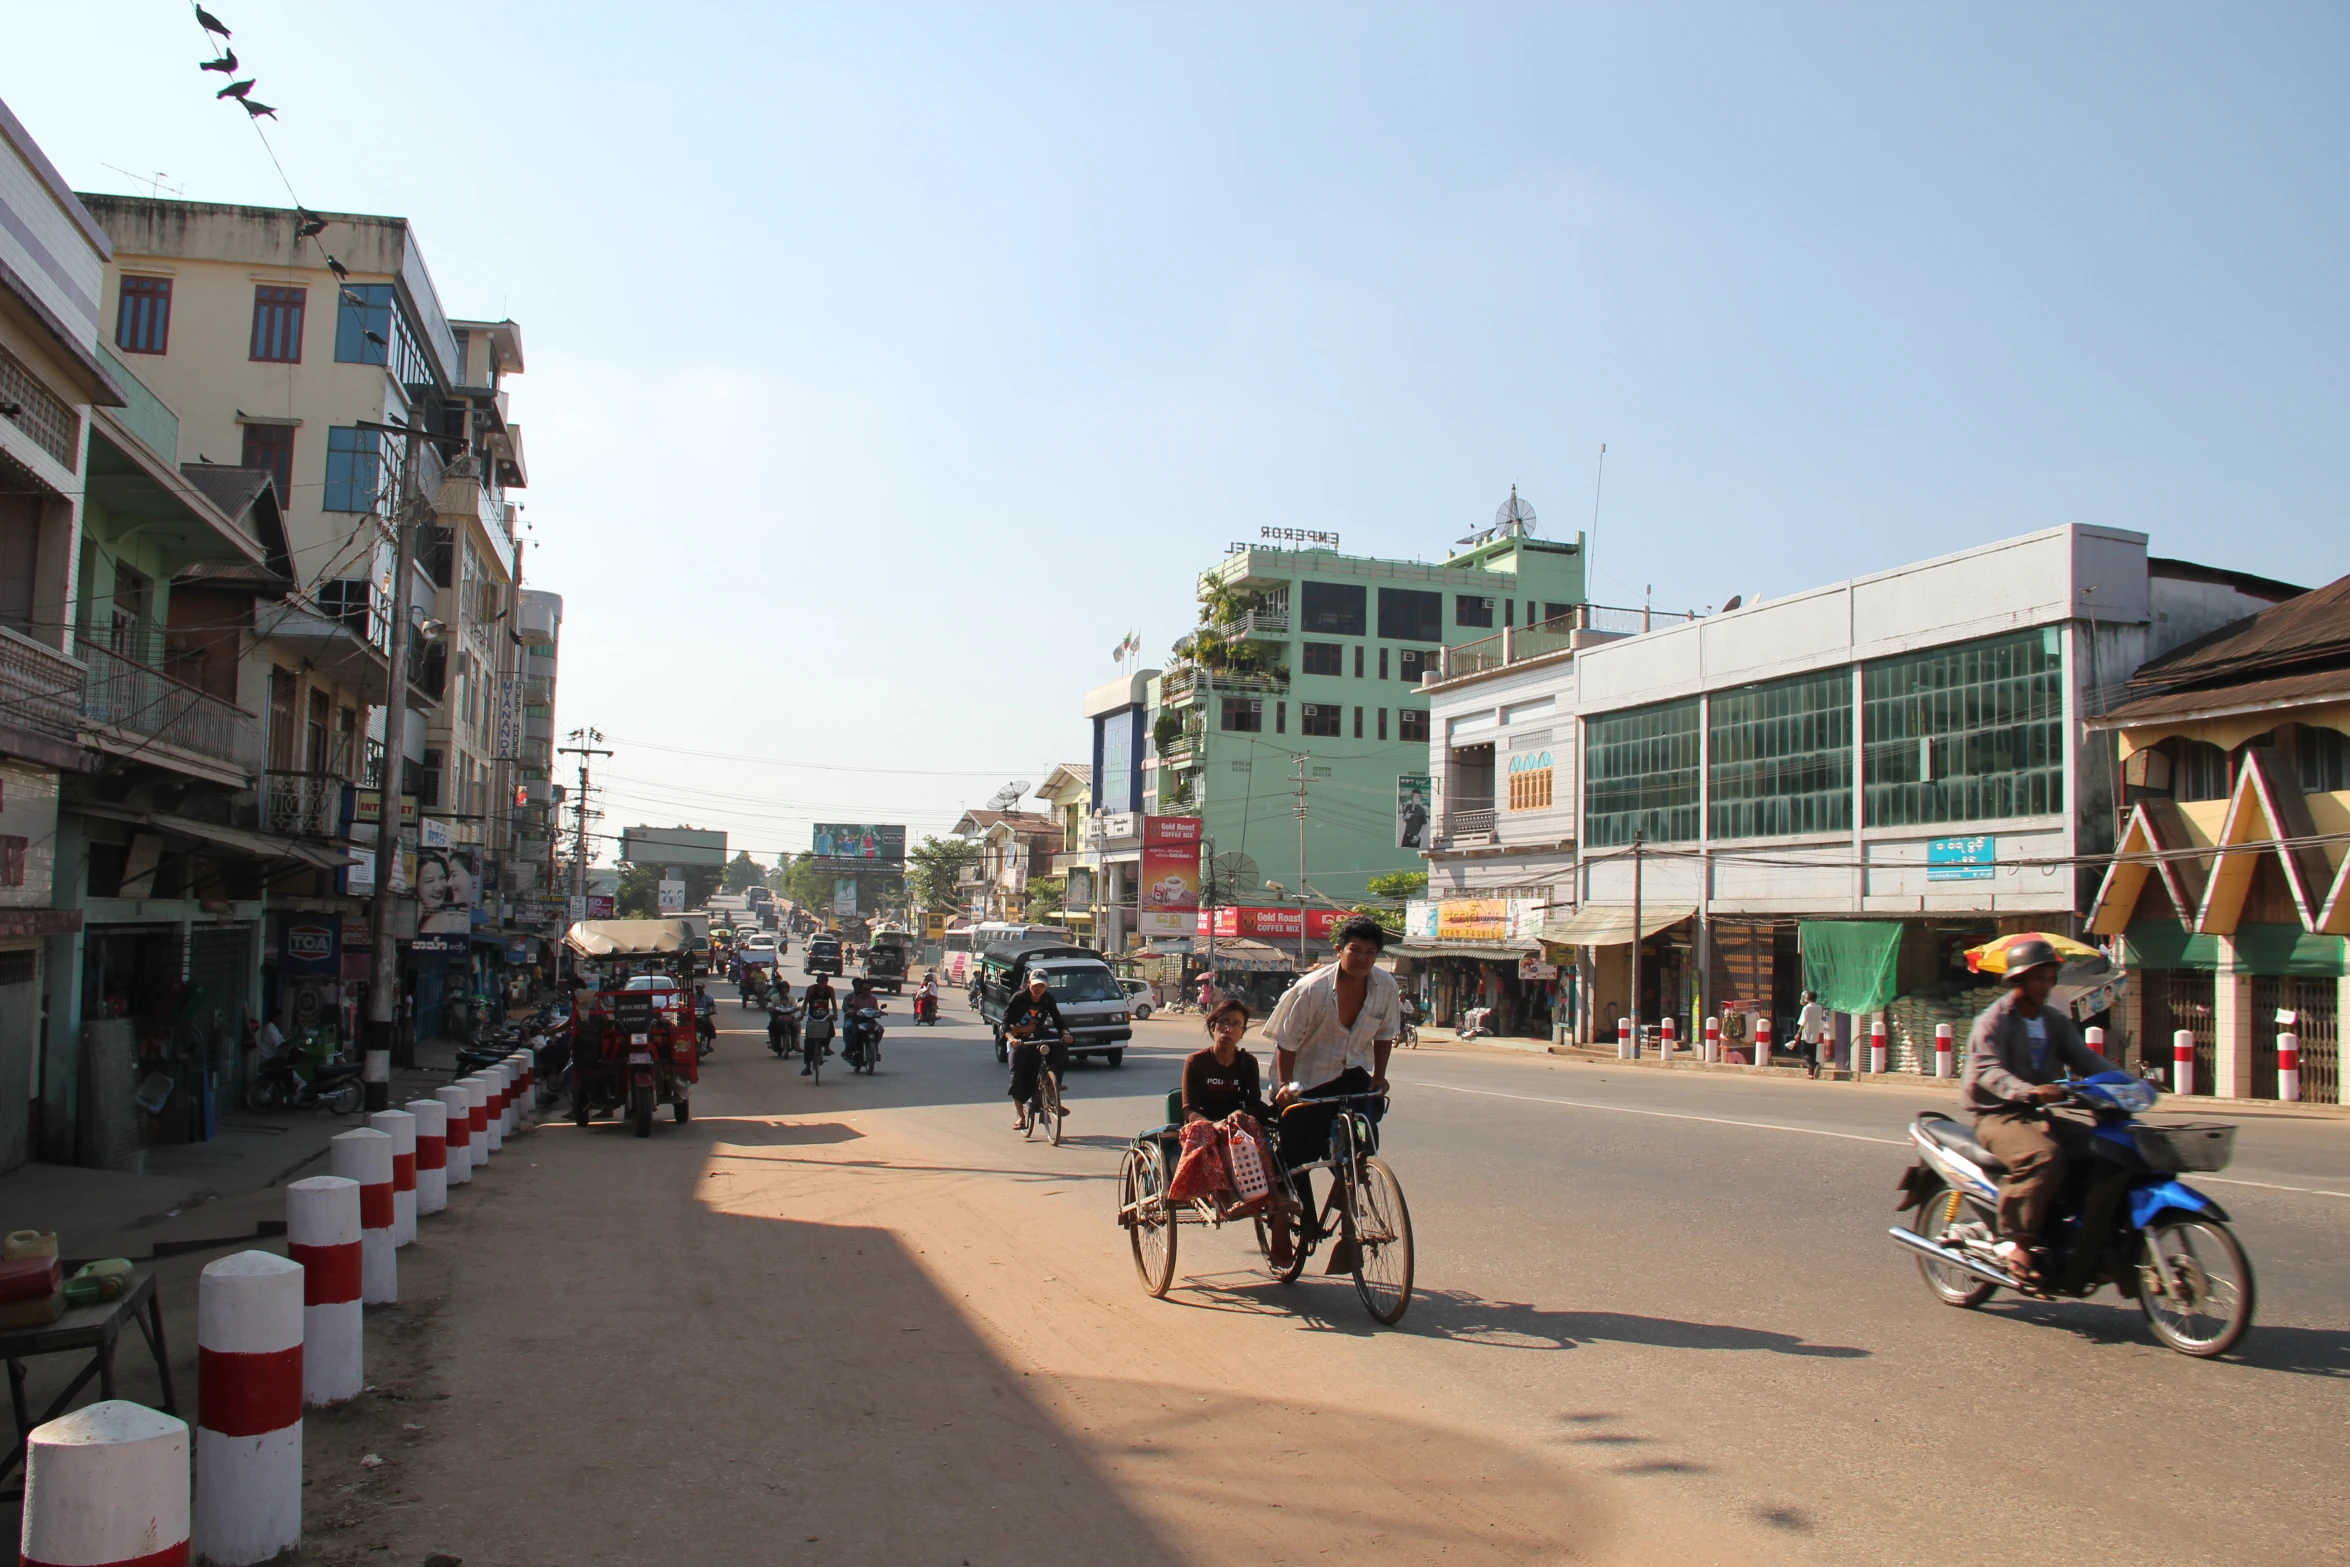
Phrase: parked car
[1141,999]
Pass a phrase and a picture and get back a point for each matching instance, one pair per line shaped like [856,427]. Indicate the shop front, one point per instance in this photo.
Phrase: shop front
[1478,963]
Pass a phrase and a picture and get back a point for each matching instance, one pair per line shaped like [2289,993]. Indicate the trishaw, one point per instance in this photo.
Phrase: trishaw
[634,1041]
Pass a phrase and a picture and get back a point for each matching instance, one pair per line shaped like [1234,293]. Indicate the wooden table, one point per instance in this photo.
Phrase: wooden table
[90,1328]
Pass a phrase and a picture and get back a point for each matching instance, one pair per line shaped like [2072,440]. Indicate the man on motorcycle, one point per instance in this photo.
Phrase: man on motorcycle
[863,1029]
[1030,1013]
[926,999]
[2017,1052]
[815,1002]
[705,1018]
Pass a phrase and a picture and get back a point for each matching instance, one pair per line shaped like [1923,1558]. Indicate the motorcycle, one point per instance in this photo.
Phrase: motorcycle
[926,1007]
[706,1029]
[2165,1244]
[816,1041]
[334,1086]
[754,988]
[783,1030]
[861,1043]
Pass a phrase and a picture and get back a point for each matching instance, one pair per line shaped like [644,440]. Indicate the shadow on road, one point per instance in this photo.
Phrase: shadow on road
[2307,1352]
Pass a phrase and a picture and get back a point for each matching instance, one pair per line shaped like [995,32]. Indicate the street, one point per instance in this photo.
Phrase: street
[1657,1320]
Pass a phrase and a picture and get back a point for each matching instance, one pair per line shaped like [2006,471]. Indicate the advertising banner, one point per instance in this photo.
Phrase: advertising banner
[1473,919]
[448,888]
[1413,791]
[600,905]
[672,897]
[844,894]
[1961,859]
[509,721]
[310,944]
[1170,869]
[1271,924]
[357,879]
[860,841]
[1419,919]
[366,808]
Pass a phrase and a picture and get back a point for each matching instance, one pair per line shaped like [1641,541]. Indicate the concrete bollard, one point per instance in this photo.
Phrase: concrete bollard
[477,1117]
[1625,1049]
[458,1132]
[322,1234]
[492,1122]
[1713,1040]
[1762,1039]
[2182,1061]
[2289,1068]
[1942,1050]
[400,1127]
[432,1154]
[365,1156]
[495,1076]
[249,1311]
[510,1077]
[106,1486]
[525,1076]
[1666,1038]
[1877,1046]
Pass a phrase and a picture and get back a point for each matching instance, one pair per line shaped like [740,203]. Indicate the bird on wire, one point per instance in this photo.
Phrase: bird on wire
[341,272]
[374,337]
[226,65]
[257,110]
[210,23]
[311,226]
[236,89]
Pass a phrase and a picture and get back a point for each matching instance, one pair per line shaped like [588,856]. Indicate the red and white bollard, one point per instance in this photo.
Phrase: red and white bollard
[1713,1040]
[2289,1067]
[432,1154]
[2182,1061]
[522,1097]
[1877,1045]
[1942,1050]
[501,1103]
[106,1486]
[477,1117]
[400,1127]
[511,1069]
[457,1133]
[365,1156]
[322,1234]
[249,1409]
[1762,1039]
[1668,1035]
[1624,1046]
[492,1124]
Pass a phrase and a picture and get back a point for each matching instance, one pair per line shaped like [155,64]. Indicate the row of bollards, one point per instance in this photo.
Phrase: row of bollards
[109,1484]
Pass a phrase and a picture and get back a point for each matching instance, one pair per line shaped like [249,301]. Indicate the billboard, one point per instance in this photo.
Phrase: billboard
[672,846]
[448,886]
[844,895]
[1473,919]
[1168,899]
[860,841]
[1270,924]
[672,897]
[1412,793]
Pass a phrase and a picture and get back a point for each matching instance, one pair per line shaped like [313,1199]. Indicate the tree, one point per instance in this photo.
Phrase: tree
[932,866]
[1393,889]
[1046,895]
[808,884]
[742,872]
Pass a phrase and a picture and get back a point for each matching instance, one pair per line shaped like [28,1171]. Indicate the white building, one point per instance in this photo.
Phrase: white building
[1856,782]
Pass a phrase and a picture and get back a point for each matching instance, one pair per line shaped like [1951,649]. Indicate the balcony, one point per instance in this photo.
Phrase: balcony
[135,711]
[302,805]
[1186,685]
[1580,627]
[1468,827]
[1185,745]
[1270,621]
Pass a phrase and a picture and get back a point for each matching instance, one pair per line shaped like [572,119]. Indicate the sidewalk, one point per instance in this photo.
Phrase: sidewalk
[192,1196]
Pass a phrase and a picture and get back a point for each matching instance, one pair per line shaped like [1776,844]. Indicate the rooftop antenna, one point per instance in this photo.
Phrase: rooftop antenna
[156,183]
[1512,519]
[1591,545]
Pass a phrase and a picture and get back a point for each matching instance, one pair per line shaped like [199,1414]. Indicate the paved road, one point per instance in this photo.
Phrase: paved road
[1659,1321]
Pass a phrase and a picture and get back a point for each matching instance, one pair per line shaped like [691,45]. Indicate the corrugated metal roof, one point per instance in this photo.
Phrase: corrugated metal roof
[2294,690]
[2314,627]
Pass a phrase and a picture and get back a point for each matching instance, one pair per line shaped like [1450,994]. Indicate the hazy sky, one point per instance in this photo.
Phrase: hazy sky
[888,364]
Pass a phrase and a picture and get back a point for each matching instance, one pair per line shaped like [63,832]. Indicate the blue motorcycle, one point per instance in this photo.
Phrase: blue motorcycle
[2123,1218]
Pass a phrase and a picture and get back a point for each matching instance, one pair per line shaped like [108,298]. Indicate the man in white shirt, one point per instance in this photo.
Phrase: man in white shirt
[1331,1033]
[1812,1031]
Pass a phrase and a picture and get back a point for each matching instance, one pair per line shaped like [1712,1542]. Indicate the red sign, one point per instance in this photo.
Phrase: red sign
[1274,924]
[1170,871]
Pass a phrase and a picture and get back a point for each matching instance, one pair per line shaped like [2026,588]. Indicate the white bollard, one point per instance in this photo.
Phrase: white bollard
[493,1107]
[1877,1046]
[104,1485]
[322,1234]
[1762,1039]
[1942,1050]
[510,1072]
[432,1154]
[1625,1049]
[1667,1037]
[2182,1061]
[477,1117]
[365,1156]
[249,1421]
[1713,1040]
[2289,1068]
[519,1093]
[458,1132]
[400,1127]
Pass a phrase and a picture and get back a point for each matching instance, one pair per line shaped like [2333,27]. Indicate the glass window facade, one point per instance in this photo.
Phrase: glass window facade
[1333,609]
[1642,774]
[1965,733]
[1779,757]
[1410,615]
[354,470]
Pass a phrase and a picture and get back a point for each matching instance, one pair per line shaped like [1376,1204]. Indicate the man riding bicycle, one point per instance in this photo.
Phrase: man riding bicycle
[1332,1033]
[1030,1013]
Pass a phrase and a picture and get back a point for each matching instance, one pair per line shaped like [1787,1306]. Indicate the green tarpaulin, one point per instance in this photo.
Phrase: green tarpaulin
[1851,965]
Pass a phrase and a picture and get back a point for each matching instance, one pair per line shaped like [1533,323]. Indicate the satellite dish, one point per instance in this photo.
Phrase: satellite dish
[1514,515]
[1229,877]
[1732,602]
[1006,797]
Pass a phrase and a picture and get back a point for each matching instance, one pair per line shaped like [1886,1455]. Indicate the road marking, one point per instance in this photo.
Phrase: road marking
[1668,1115]
[1809,1131]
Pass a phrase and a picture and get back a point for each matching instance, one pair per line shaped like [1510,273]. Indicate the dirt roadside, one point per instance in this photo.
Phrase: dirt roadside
[902,1336]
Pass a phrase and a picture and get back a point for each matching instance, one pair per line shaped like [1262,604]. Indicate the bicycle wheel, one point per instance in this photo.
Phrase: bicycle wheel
[1048,1095]
[2195,1286]
[1383,1241]
[1149,1220]
[1297,1252]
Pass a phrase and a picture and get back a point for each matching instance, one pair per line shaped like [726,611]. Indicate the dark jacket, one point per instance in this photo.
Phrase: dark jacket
[1999,1069]
[1018,1009]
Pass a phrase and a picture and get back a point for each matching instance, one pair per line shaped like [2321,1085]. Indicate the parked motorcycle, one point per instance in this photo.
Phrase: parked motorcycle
[334,1086]
[2163,1243]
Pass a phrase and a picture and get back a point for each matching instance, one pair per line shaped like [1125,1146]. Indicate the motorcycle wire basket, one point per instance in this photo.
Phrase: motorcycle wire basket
[2174,1149]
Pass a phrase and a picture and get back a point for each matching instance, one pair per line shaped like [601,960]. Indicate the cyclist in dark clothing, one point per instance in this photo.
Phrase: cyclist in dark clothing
[1031,1013]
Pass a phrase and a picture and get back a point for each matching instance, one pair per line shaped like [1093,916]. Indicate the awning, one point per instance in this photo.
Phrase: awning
[609,938]
[267,846]
[1610,925]
[1486,951]
[1239,952]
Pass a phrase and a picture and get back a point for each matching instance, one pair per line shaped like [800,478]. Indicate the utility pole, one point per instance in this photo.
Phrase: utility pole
[586,748]
[384,966]
[1300,811]
[1637,840]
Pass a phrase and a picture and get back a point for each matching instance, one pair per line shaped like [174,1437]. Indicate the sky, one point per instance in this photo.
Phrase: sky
[888,364]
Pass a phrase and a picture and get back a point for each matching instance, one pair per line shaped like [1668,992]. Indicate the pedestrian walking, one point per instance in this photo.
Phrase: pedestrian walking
[1812,1033]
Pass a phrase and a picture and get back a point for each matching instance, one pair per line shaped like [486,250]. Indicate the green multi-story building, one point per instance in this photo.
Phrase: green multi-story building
[1302,688]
